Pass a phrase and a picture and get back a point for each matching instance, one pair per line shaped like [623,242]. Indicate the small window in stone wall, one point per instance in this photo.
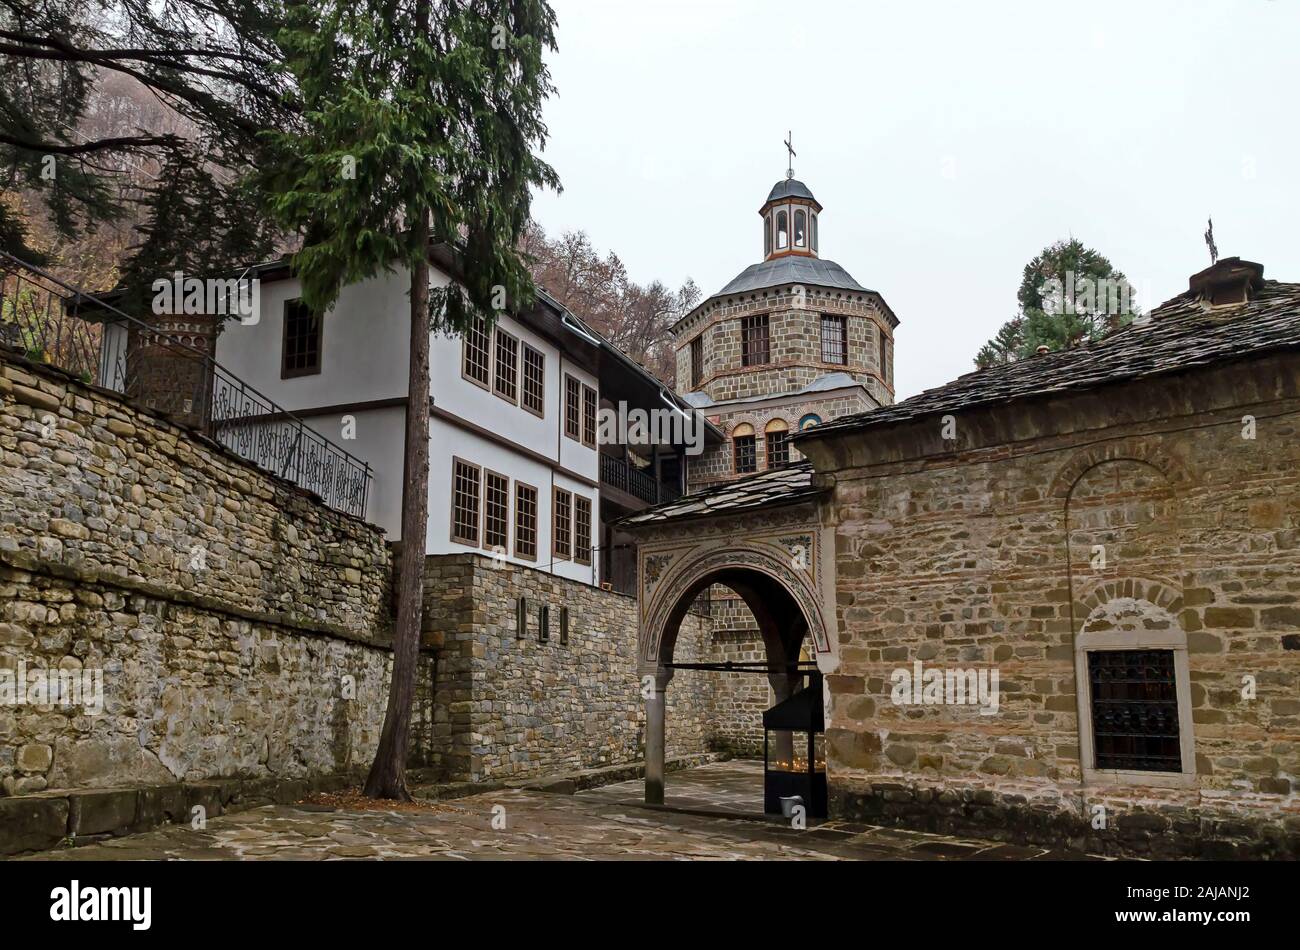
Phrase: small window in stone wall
[564,626]
[521,618]
[1134,710]
[544,623]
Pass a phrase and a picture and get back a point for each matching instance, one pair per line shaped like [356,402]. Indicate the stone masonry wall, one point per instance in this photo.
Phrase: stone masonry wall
[509,706]
[961,563]
[238,624]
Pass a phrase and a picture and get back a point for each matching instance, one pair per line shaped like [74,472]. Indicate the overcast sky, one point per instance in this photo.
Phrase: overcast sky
[948,141]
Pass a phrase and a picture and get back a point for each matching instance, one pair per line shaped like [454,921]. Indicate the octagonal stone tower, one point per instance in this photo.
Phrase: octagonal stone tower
[792,341]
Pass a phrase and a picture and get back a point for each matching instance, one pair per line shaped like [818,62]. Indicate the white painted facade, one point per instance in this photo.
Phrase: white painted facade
[355,401]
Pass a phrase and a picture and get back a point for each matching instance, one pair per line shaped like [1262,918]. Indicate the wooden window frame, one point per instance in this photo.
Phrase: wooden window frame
[314,369]
[540,410]
[556,554]
[697,361]
[842,323]
[753,453]
[783,440]
[748,349]
[582,551]
[498,336]
[532,528]
[590,414]
[488,355]
[478,503]
[483,491]
[572,386]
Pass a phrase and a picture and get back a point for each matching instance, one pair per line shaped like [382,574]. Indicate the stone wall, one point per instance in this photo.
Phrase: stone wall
[237,625]
[794,339]
[509,706]
[1180,524]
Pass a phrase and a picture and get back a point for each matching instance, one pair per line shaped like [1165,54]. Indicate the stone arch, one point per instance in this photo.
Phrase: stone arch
[1160,594]
[765,580]
[1145,451]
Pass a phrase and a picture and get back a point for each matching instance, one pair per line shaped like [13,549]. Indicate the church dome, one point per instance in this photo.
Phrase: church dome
[790,188]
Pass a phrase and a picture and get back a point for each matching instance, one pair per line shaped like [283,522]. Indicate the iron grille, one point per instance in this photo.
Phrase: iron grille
[1134,710]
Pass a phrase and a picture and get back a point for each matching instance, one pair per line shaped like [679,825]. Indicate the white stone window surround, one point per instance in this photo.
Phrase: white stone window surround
[1171,638]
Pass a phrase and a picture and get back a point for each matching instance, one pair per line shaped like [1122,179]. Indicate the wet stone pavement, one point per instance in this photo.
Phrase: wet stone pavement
[711,814]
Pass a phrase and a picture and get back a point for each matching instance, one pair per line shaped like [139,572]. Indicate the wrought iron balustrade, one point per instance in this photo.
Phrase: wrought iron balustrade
[158,366]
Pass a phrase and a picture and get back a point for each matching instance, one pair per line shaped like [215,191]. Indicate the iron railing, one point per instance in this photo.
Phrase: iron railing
[621,474]
[53,322]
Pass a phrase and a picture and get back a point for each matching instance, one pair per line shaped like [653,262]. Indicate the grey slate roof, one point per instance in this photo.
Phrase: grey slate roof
[824,383]
[794,269]
[790,188]
[765,489]
[1181,334]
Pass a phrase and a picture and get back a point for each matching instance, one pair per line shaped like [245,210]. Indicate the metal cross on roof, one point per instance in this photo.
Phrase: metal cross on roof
[789,137]
[1209,242]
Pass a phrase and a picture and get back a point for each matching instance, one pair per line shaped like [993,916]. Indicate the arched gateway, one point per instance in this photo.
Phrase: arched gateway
[762,537]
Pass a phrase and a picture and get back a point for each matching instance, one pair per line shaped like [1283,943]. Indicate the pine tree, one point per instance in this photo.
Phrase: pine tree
[419,122]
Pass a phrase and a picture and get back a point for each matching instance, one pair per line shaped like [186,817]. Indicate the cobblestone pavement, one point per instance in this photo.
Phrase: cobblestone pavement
[702,821]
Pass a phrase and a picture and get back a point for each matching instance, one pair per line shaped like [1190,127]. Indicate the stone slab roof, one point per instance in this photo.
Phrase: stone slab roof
[762,490]
[1181,334]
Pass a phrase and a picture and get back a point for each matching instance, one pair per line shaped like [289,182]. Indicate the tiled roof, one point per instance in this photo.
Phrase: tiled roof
[765,489]
[794,269]
[1180,334]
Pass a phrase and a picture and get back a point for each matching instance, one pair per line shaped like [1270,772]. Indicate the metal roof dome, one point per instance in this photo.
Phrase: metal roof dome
[790,188]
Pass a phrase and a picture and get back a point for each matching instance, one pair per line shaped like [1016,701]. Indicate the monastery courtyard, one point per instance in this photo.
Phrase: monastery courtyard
[713,812]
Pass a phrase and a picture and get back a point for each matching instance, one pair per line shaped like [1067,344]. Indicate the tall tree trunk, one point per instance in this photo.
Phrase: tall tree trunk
[387,777]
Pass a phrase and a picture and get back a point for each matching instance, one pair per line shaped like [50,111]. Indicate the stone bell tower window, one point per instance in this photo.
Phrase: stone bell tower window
[767,235]
[814,233]
[800,228]
[782,231]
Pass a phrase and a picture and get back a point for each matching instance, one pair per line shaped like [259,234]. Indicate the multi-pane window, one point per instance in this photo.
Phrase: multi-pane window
[778,446]
[1134,710]
[753,341]
[507,376]
[589,416]
[475,361]
[572,408]
[496,511]
[835,347]
[745,449]
[697,361]
[464,502]
[563,530]
[301,348]
[525,521]
[581,529]
[534,394]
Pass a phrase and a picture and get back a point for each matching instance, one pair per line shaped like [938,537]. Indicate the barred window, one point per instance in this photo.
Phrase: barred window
[697,361]
[1134,710]
[778,443]
[581,529]
[563,519]
[525,521]
[464,501]
[835,345]
[300,351]
[475,353]
[880,349]
[507,378]
[496,511]
[589,416]
[534,396]
[572,408]
[743,445]
[753,341]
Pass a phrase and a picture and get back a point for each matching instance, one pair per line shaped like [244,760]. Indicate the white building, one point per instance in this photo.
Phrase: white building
[516,470]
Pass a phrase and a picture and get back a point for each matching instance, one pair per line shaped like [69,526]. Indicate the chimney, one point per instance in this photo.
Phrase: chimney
[1227,282]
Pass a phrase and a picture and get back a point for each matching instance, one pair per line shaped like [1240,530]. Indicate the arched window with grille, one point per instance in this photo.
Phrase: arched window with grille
[777,436]
[744,449]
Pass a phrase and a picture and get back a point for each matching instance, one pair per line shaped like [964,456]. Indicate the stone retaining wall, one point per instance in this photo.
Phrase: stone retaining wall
[236,624]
